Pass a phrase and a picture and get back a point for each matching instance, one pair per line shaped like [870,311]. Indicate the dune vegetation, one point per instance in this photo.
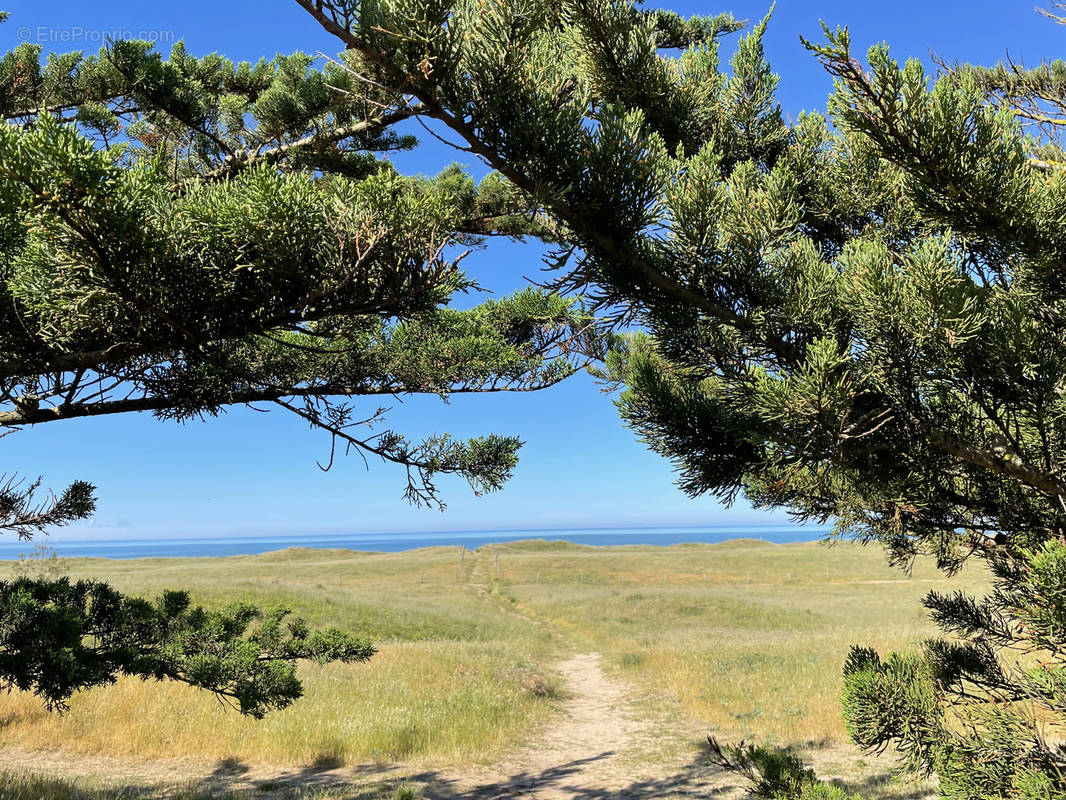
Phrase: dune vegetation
[742,639]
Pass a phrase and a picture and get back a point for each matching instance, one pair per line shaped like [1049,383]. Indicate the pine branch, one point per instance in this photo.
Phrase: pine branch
[237,162]
[23,515]
[587,228]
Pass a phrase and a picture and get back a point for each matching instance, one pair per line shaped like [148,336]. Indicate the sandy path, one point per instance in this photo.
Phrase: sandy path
[601,746]
[592,751]
[588,752]
[604,744]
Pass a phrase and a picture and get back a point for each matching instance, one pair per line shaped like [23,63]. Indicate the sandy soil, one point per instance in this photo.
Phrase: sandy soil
[593,751]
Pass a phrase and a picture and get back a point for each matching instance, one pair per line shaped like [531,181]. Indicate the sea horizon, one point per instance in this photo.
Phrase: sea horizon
[252,544]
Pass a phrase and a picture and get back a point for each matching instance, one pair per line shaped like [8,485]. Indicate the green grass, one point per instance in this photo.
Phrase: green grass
[745,639]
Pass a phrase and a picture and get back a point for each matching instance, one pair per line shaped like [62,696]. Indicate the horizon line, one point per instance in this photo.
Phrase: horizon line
[541,529]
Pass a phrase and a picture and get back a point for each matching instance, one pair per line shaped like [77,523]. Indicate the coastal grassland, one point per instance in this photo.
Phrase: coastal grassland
[744,638]
[747,638]
[454,679]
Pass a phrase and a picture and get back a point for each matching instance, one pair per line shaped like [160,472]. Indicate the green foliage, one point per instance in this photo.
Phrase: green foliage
[23,515]
[58,637]
[204,234]
[860,324]
[967,709]
[774,774]
[182,234]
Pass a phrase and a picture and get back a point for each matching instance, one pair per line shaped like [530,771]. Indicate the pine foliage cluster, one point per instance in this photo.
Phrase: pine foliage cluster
[858,318]
[59,636]
[180,235]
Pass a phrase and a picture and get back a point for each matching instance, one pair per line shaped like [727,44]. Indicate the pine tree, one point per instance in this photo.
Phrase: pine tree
[179,235]
[861,324]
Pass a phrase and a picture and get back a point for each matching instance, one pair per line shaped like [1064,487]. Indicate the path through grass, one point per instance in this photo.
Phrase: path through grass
[744,639]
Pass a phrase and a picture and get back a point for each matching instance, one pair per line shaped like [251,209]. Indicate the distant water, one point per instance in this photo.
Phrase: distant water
[394,542]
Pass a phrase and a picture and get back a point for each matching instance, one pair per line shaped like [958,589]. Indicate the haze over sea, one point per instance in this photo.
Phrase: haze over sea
[185,547]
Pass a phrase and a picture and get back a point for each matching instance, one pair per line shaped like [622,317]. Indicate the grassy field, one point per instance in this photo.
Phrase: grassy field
[744,639]
[748,637]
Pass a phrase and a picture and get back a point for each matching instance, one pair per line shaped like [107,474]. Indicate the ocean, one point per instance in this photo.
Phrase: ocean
[394,542]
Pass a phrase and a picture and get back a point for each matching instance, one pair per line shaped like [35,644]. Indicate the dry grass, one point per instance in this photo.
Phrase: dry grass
[18,786]
[450,701]
[747,637]
[743,638]
[454,681]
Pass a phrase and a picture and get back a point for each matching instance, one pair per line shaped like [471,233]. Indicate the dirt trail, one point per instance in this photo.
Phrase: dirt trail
[602,745]
[591,751]
[597,729]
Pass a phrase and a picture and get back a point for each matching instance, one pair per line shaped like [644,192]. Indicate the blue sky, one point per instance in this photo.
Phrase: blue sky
[249,472]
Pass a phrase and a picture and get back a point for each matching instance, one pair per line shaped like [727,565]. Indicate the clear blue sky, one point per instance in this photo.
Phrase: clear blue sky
[248,472]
